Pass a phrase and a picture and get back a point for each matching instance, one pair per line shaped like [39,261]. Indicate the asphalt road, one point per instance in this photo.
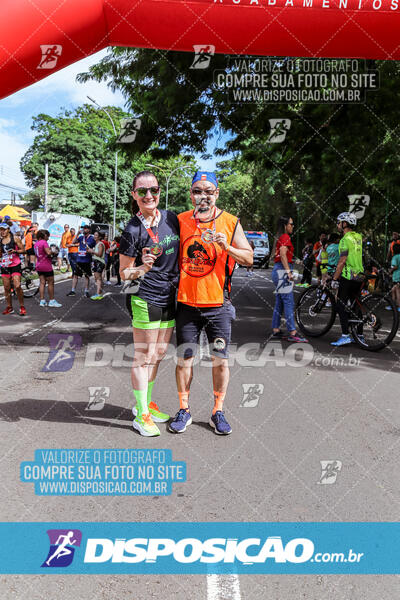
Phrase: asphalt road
[323,404]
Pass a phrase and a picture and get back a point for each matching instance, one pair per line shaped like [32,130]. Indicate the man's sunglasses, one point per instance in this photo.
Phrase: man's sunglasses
[198,192]
[142,191]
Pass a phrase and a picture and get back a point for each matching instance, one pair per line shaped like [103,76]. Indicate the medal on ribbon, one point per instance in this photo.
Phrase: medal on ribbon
[207,235]
[156,250]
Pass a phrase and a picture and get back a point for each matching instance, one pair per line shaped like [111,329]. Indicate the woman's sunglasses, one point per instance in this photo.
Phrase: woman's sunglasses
[142,191]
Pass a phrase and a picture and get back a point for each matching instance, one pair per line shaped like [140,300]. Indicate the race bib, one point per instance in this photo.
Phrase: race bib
[82,253]
[6,260]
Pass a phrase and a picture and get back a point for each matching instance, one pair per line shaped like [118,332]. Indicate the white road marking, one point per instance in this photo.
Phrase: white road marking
[223,587]
[33,331]
[55,283]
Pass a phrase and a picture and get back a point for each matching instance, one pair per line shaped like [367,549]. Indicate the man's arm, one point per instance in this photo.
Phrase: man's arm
[240,249]
[340,266]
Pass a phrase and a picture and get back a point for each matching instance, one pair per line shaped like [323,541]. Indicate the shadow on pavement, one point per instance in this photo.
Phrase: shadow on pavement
[64,412]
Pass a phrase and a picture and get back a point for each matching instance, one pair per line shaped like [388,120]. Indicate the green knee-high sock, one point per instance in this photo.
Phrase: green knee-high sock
[141,401]
[149,390]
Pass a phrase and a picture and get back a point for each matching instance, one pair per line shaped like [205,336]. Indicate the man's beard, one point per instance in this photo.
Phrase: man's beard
[203,208]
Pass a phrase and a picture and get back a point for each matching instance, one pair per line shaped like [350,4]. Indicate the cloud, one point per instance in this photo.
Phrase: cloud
[4,123]
[11,151]
[63,89]
[49,95]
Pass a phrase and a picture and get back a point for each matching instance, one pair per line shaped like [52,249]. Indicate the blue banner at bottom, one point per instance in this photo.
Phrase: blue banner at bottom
[196,548]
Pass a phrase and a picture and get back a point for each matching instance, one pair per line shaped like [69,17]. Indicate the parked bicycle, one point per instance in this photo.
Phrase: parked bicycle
[29,282]
[373,317]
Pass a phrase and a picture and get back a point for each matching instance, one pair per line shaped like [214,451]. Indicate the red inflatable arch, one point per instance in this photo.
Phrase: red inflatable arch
[37,38]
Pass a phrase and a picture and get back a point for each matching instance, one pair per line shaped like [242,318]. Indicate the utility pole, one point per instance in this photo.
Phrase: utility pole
[116,161]
[46,185]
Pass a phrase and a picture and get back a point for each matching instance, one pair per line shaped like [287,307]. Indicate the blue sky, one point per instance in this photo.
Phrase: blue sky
[59,90]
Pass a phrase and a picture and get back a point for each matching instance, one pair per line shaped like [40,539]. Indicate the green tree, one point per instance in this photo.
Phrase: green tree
[330,151]
[79,147]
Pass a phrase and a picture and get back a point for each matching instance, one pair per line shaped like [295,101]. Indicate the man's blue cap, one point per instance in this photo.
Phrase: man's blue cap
[4,226]
[6,218]
[205,176]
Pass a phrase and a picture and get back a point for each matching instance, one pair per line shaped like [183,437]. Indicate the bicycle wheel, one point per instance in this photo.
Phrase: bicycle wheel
[315,311]
[30,286]
[376,322]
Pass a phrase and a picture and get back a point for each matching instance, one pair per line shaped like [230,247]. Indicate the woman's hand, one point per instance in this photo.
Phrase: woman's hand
[148,261]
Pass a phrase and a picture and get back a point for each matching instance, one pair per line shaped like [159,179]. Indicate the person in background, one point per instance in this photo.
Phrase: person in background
[323,258]
[10,249]
[107,258]
[333,252]
[282,277]
[395,269]
[316,249]
[348,276]
[98,254]
[22,232]
[393,243]
[85,242]
[63,252]
[13,225]
[308,261]
[30,239]
[115,259]
[44,268]
[250,271]
[72,250]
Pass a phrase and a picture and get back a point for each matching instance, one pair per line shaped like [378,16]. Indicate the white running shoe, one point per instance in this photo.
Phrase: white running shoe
[43,303]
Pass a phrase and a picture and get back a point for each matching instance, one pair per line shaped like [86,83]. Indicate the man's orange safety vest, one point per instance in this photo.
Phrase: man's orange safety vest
[205,269]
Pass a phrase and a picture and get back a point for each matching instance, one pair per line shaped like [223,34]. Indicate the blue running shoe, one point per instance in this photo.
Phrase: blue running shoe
[220,424]
[361,339]
[181,420]
[343,341]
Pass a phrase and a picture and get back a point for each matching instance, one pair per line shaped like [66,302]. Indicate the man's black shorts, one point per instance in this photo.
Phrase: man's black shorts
[83,269]
[30,252]
[215,320]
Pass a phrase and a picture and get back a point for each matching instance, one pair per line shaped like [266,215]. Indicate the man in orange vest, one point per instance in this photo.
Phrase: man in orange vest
[211,242]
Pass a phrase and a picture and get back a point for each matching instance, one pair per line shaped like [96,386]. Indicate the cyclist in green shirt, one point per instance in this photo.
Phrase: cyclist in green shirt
[348,275]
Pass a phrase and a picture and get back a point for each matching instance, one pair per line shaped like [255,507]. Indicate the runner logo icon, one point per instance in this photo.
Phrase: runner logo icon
[251,394]
[62,351]
[97,397]
[62,547]
[202,56]
[279,129]
[129,129]
[329,471]
[50,56]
